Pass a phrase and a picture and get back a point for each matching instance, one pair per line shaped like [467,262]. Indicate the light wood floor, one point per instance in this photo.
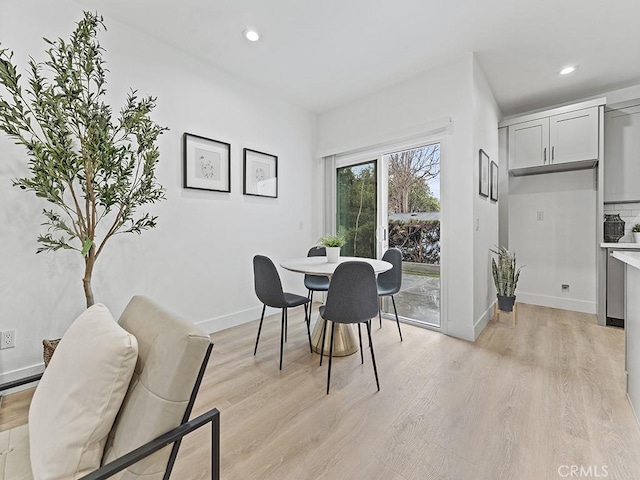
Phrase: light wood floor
[518,404]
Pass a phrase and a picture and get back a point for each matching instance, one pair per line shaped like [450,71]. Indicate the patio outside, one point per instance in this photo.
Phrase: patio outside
[419,298]
[419,240]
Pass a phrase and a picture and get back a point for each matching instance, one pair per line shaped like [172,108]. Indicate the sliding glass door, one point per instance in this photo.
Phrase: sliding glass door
[357,208]
[393,200]
[413,222]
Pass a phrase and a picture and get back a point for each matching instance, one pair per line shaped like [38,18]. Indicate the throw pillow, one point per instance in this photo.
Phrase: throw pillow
[78,398]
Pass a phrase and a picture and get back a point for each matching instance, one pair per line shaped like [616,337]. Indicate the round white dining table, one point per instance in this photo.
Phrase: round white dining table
[344,342]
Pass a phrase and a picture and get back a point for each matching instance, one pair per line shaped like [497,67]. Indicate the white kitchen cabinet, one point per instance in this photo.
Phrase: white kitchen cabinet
[622,151]
[574,136]
[528,144]
[552,143]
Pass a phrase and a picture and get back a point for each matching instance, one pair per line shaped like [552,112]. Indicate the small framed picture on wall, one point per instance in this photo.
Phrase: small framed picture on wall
[494,181]
[260,174]
[484,173]
[207,163]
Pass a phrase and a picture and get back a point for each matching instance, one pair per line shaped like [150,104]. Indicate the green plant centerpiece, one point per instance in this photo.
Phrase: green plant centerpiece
[636,232]
[505,277]
[95,170]
[333,243]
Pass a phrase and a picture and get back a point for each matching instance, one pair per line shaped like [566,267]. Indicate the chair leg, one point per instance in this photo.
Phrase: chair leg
[333,326]
[324,332]
[307,320]
[380,310]
[396,312]
[286,325]
[282,328]
[259,329]
[373,357]
[361,352]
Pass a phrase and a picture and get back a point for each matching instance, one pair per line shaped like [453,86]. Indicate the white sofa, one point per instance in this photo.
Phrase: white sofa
[114,401]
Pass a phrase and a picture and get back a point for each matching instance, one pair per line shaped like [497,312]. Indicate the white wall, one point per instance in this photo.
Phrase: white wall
[558,249]
[552,250]
[486,115]
[406,109]
[197,262]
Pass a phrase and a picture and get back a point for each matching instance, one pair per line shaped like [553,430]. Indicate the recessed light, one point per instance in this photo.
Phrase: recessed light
[568,70]
[251,35]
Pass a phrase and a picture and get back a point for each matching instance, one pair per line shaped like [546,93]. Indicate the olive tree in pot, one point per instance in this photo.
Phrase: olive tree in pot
[505,277]
[95,170]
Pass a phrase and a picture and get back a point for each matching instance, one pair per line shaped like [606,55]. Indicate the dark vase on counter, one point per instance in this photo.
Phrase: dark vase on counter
[613,228]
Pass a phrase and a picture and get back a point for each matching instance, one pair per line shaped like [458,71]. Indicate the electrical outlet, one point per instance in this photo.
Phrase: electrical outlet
[7,339]
[540,216]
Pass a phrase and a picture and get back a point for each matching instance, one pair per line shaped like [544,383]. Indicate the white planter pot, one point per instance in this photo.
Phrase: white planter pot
[333,254]
[636,237]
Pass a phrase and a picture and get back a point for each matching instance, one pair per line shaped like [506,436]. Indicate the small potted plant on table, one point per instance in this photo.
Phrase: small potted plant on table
[333,243]
[505,277]
[636,232]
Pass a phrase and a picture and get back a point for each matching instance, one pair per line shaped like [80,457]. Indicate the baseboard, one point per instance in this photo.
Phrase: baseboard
[458,330]
[234,319]
[557,302]
[470,332]
[21,373]
[482,322]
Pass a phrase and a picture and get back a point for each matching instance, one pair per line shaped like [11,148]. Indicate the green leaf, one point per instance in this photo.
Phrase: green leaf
[86,246]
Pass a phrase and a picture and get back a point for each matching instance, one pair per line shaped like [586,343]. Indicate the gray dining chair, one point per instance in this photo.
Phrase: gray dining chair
[316,283]
[352,298]
[268,288]
[390,282]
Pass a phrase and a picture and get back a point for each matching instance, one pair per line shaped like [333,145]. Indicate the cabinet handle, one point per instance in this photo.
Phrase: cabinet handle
[544,160]
[553,153]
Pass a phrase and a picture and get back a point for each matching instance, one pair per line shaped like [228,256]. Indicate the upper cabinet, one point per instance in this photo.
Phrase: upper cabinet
[622,151]
[529,144]
[559,140]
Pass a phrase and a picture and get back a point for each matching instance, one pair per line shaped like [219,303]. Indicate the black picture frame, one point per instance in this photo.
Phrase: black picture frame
[206,163]
[494,181]
[483,174]
[260,173]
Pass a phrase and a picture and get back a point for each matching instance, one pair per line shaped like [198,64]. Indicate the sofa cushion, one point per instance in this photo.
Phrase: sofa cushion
[171,351]
[14,454]
[78,398]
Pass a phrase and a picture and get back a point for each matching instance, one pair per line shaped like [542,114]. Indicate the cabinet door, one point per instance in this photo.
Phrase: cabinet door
[622,155]
[574,136]
[529,144]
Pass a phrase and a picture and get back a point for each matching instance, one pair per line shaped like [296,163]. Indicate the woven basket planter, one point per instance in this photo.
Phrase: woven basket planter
[49,349]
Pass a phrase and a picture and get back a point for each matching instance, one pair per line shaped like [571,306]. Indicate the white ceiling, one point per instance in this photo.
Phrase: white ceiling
[323,54]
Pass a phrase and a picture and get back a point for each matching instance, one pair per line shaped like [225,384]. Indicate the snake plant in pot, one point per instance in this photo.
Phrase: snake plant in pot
[505,277]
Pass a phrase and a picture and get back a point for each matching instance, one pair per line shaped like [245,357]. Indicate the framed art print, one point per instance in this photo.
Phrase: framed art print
[207,163]
[494,181]
[484,174]
[260,174]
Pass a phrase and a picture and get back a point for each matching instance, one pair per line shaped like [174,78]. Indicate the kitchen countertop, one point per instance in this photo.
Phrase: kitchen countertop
[624,245]
[630,258]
